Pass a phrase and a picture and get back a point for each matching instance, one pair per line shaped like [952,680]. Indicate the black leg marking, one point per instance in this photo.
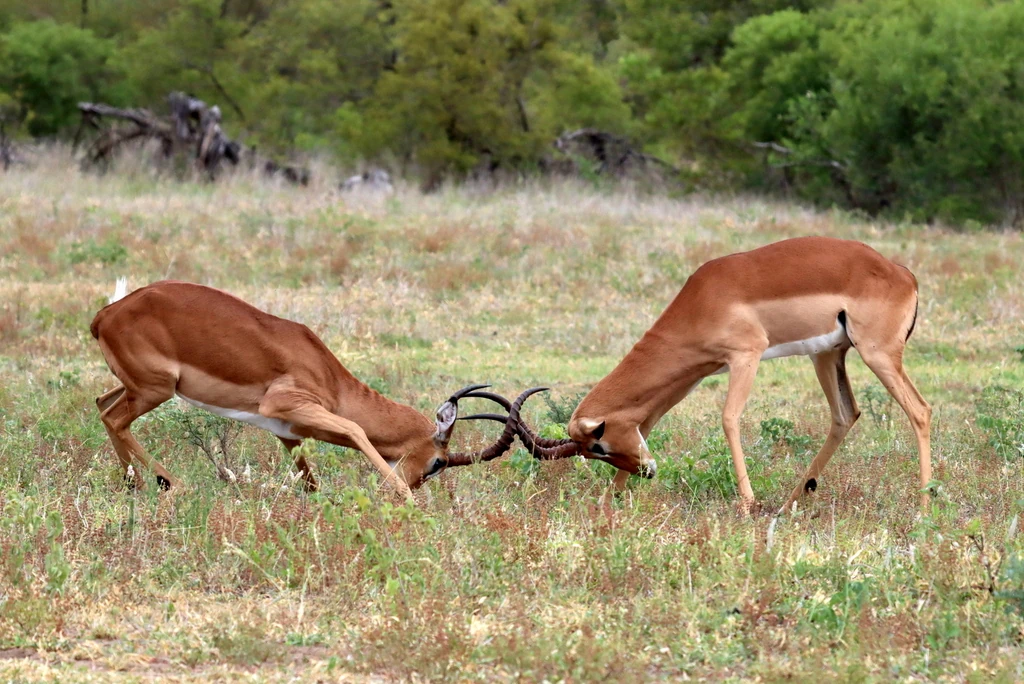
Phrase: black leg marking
[913,322]
[162,482]
[811,485]
[845,393]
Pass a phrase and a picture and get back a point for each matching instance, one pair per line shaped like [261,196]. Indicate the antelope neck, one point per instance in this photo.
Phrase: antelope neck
[391,427]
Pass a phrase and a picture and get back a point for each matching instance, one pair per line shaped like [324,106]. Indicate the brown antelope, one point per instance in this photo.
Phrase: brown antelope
[221,354]
[812,296]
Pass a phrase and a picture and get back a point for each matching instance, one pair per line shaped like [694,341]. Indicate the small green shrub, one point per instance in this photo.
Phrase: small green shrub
[246,645]
[33,568]
[878,404]
[709,470]
[65,379]
[1012,585]
[560,410]
[110,252]
[779,431]
[207,432]
[1000,413]
[522,463]
[49,67]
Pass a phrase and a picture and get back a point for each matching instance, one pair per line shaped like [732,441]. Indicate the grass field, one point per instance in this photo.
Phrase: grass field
[509,571]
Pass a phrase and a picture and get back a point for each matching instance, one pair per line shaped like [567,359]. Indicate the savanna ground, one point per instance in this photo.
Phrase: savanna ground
[512,570]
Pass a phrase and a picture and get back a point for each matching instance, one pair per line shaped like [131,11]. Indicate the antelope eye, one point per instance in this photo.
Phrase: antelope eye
[598,448]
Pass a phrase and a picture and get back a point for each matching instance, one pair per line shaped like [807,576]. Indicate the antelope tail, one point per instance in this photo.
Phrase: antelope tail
[120,290]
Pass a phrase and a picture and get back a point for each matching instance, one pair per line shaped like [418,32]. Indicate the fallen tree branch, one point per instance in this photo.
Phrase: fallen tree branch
[146,125]
[191,125]
[838,169]
[140,116]
[780,149]
[614,154]
[773,146]
[829,163]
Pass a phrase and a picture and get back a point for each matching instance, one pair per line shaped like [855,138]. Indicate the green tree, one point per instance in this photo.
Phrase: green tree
[578,93]
[675,81]
[924,111]
[774,59]
[194,48]
[46,68]
[313,63]
[456,93]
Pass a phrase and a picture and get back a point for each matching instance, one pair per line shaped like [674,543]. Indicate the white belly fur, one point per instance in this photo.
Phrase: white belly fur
[278,427]
[809,347]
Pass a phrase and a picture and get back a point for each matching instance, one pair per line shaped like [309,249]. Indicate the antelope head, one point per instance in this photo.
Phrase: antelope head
[618,442]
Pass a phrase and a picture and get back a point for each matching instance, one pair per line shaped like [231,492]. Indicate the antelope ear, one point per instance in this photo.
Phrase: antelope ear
[446,415]
[592,428]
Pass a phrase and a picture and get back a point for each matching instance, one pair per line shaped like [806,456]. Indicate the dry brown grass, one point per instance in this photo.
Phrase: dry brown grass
[508,572]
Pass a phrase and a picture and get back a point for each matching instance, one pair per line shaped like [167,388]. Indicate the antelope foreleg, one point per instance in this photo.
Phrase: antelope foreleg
[741,379]
[309,419]
[117,419]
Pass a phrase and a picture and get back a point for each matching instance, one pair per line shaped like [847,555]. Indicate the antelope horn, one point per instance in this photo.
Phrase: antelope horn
[485,416]
[466,391]
[541,448]
[504,442]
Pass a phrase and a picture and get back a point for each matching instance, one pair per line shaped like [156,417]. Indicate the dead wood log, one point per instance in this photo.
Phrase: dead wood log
[297,175]
[187,113]
[142,124]
[612,154]
[374,179]
[192,125]
[140,117]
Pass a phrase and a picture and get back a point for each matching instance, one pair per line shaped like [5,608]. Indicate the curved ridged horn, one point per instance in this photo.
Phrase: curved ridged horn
[541,448]
[504,442]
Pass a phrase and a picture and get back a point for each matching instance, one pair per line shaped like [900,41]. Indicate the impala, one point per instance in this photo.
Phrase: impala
[811,296]
[221,354]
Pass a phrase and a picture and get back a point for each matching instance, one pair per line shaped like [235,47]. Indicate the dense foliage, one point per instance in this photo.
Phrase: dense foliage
[910,107]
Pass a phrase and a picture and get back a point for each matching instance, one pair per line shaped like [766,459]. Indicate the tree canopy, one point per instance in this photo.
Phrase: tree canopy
[910,107]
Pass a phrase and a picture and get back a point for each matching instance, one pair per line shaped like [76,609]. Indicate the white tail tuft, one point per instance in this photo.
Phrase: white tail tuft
[120,290]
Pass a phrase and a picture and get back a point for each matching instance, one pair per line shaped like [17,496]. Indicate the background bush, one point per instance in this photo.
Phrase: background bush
[907,107]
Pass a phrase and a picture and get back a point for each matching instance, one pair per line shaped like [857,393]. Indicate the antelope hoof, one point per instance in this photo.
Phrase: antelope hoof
[811,486]
[163,483]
